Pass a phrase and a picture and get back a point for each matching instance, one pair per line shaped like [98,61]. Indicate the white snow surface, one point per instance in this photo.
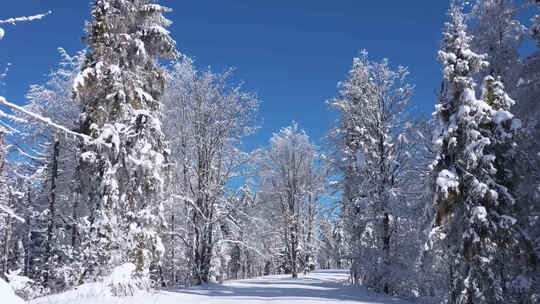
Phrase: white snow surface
[325,286]
[7,295]
[122,273]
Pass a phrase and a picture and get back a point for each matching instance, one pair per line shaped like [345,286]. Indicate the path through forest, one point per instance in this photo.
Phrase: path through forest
[325,286]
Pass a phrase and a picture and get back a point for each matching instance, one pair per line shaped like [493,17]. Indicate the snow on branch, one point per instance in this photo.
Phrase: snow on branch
[24,19]
[241,244]
[21,19]
[10,212]
[42,119]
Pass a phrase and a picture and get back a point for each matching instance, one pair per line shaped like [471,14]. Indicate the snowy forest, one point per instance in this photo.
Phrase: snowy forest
[126,168]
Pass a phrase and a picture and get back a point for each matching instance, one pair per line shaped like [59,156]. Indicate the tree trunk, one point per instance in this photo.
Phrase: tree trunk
[52,214]
[7,238]
[386,247]
[294,249]
[172,247]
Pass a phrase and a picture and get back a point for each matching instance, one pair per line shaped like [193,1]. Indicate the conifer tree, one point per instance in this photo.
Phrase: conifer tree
[472,186]
[123,167]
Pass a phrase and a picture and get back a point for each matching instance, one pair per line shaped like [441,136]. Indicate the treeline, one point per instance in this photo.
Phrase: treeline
[446,207]
[118,163]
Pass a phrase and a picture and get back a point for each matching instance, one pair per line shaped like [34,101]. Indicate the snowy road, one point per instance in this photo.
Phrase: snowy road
[318,287]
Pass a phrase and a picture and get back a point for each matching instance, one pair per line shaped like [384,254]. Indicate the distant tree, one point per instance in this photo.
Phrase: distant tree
[206,120]
[7,193]
[497,32]
[58,160]
[289,179]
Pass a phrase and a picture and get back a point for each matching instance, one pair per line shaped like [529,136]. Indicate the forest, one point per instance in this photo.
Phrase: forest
[127,168]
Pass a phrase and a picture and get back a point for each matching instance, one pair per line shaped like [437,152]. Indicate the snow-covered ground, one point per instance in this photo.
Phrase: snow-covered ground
[318,287]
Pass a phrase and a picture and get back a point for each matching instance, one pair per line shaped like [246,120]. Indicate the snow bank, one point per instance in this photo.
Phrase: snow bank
[124,281]
[326,286]
[7,295]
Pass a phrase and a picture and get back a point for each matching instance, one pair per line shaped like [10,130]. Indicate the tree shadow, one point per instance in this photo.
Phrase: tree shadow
[316,289]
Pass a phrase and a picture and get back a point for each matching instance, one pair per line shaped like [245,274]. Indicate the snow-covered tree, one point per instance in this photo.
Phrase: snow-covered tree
[57,159]
[497,32]
[288,174]
[472,173]
[527,182]
[7,193]
[375,144]
[333,247]
[207,119]
[124,165]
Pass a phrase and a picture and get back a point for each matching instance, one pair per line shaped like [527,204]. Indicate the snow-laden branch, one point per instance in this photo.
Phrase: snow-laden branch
[242,244]
[21,19]
[42,119]
[24,19]
[10,212]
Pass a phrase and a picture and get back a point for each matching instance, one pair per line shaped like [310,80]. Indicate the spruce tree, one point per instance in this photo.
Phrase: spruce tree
[123,168]
[472,176]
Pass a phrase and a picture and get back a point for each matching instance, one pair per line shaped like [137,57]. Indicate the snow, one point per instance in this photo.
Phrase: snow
[18,282]
[143,94]
[8,295]
[447,180]
[81,78]
[44,120]
[326,286]
[122,273]
[10,212]
[21,19]
[158,29]
[480,213]
[502,116]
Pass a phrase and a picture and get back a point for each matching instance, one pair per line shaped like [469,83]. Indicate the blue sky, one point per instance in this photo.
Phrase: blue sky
[291,53]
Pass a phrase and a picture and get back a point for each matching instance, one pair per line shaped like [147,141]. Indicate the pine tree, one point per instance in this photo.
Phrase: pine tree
[472,186]
[123,167]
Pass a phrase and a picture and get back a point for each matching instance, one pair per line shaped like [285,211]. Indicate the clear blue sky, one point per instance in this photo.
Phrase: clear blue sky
[291,53]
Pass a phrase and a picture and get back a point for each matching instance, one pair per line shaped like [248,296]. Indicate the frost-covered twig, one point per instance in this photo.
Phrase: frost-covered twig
[23,19]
